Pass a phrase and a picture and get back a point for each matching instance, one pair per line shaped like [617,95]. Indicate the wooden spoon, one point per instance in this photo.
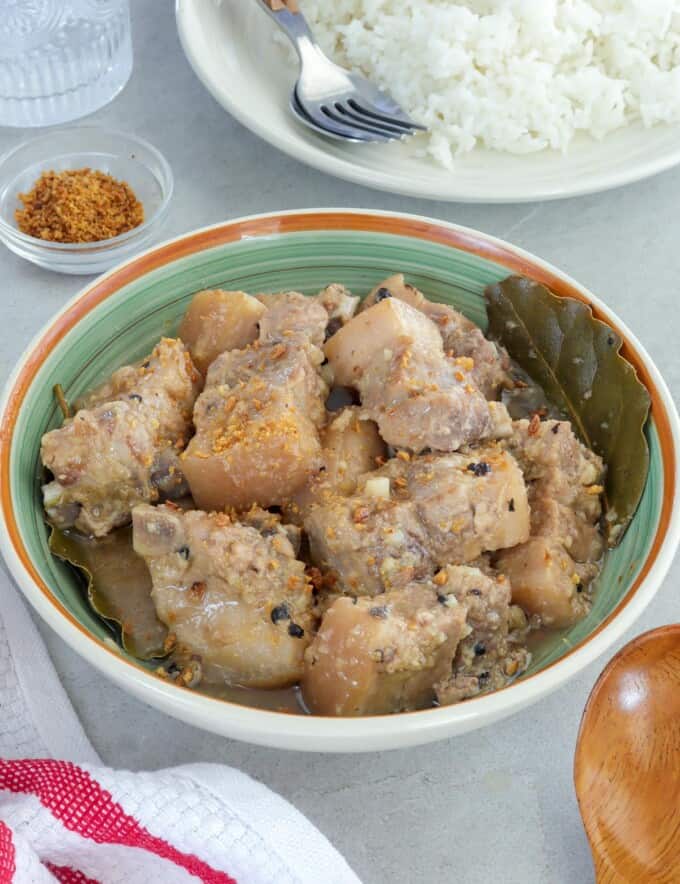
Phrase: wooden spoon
[627,763]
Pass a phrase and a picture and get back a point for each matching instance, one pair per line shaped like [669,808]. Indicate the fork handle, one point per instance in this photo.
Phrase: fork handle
[287,15]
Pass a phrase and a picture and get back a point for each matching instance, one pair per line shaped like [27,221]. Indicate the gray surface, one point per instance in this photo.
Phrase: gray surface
[494,805]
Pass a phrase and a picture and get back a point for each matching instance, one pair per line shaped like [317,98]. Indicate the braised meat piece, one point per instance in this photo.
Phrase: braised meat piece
[420,398]
[467,502]
[290,316]
[489,364]
[445,639]
[217,321]
[367,545]
[121,447]
[350,447]
[415,514]
[339,303]
[557,466]
[313,319]
[257,439]
[550,574]
[233,595]
[547,582]
[384,654]
[490,655]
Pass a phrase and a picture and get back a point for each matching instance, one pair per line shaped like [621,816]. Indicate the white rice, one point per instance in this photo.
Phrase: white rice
[512,75]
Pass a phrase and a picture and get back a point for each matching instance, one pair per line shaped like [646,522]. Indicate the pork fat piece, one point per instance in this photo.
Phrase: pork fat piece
[232,594]
[257,439]
[428,511]
[217,321]
[350,447]
[420,398]
[489,363]
[384,654]
[550,574]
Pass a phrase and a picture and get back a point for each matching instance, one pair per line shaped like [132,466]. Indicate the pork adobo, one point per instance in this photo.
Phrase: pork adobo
[389,554]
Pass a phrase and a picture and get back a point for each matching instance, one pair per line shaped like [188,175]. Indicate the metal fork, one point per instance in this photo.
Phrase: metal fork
[329,98]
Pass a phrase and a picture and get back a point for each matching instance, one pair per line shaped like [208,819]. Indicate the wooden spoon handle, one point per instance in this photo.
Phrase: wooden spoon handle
[278,5]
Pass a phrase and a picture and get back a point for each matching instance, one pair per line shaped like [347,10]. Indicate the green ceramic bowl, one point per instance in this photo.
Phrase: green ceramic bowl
[119,318]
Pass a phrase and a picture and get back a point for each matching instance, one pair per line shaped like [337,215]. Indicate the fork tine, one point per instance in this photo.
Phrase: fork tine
[377,133]
[367,109]
[339,127]
[306,120]
[363,120]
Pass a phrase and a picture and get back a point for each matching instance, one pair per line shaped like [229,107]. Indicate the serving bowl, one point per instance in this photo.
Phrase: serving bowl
[120,316]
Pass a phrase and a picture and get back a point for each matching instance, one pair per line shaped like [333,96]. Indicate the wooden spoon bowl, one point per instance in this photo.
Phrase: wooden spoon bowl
[627,763]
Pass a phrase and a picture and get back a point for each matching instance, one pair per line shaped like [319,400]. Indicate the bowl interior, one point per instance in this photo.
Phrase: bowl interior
[126,325]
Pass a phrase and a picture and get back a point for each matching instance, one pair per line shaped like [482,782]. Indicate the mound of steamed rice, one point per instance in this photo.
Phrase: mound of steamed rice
[512,75]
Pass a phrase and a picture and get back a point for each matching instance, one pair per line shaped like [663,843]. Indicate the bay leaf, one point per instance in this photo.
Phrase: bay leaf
[576,359]
[118,586]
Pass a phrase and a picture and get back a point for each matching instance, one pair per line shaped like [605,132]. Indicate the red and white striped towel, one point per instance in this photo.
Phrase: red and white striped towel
[74,821]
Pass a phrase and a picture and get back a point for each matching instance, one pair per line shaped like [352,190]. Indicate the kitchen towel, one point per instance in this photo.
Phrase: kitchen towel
[65,817]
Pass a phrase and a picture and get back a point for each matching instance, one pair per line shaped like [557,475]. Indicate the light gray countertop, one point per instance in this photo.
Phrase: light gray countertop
[497,804]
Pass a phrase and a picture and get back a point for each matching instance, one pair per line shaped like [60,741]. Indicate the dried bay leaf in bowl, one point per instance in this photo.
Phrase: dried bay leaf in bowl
[118,586]
[576,359]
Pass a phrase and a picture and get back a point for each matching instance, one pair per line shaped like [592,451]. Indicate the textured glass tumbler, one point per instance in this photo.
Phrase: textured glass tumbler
[61,59]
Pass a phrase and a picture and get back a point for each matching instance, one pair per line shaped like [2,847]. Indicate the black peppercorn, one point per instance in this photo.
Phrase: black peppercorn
[380,611]
[280,612]
[334,325]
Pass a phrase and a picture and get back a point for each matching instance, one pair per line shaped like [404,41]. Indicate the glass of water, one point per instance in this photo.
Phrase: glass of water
[61,59]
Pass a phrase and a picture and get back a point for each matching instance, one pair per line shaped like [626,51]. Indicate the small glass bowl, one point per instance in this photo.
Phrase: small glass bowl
[125,157]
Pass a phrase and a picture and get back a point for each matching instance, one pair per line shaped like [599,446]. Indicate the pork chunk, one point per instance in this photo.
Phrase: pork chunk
[217,321]
[546,582]
[393,355]
[291,316]
[257,370]
[384,654]
[339,303]
[233,595]
[467,503]
[432,510]
[120,449]
[488,657]
[350,447]
[557,466]
[550,574]
[352,349]
[257,439]
[489,363]
[580,538]
[367,545]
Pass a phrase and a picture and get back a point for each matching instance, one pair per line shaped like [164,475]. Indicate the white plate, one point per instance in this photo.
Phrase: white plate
[231,48]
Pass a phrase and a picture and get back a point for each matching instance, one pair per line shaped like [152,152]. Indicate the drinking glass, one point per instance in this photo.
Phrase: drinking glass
[61,59]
